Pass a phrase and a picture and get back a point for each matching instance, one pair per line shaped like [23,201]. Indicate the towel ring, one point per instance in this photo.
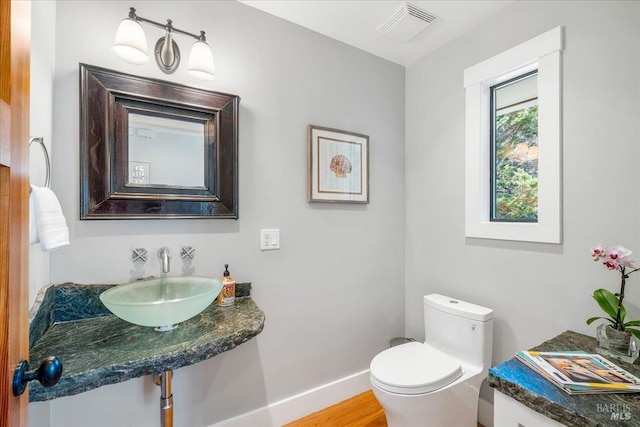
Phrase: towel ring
[40,140]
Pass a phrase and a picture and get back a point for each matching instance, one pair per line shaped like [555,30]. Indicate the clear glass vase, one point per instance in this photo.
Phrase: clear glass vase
[616,344]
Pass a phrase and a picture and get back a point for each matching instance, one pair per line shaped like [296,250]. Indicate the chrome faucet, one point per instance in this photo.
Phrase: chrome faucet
[165,255]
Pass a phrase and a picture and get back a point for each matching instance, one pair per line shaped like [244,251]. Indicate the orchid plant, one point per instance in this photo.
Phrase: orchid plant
[615,258]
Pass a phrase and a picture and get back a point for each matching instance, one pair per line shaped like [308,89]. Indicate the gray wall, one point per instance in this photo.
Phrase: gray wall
[43,31]
[333,294]
[536,290]
[43,50]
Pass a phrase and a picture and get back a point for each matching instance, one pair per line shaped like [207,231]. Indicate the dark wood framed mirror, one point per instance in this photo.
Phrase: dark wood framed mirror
[155,149]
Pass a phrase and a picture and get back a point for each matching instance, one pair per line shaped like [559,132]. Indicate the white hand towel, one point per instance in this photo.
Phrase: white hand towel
[50,222]
[33,230]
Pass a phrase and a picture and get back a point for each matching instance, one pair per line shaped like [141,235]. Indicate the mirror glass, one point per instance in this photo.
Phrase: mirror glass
[164,151]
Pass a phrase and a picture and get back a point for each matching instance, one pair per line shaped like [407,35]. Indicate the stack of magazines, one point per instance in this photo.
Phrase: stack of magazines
[580,373]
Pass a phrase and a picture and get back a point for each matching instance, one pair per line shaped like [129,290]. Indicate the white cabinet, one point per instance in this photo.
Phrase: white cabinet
[508,412]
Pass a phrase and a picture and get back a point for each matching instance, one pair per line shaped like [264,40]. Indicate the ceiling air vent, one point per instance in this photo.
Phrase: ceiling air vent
[406,22]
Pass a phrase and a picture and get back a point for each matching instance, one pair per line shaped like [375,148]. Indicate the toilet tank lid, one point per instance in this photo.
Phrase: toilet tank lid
[458,308]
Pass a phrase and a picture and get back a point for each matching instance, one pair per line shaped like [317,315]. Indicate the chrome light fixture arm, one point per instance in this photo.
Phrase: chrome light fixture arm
[168,26]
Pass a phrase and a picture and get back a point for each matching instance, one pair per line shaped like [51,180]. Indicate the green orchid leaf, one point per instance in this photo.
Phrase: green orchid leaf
[593,319]
[635,332]
[632,323]
[607,301]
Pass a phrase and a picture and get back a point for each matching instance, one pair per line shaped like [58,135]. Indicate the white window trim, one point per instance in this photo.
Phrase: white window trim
[543,53]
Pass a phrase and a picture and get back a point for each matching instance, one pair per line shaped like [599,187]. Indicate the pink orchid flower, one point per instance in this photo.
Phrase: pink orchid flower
[613,257]
[597,252]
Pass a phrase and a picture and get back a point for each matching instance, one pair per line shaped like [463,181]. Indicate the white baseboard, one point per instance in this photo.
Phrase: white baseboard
[485,413]
[300,405]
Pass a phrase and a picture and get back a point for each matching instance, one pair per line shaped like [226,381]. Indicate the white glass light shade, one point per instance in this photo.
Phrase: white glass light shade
[201,61]
[131,43]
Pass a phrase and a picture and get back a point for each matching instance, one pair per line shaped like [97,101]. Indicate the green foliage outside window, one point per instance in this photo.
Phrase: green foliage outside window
[516,165]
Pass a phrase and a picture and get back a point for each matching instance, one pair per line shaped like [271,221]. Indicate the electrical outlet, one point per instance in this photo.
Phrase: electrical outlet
[270,239]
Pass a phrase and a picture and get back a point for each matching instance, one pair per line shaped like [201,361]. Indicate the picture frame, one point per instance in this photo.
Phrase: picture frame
[338,166]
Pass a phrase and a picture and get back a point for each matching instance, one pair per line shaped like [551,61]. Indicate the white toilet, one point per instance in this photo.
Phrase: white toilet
[437,383]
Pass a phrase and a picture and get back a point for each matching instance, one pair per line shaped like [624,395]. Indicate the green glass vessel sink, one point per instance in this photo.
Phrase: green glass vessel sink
[163,302]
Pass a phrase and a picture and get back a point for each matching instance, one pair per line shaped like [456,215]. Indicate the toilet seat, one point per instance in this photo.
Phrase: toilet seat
[413,368]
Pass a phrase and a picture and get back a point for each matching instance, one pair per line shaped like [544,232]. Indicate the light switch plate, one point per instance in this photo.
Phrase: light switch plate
[269,239]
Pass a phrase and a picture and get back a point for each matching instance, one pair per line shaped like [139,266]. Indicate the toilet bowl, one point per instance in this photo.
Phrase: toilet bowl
[437,383]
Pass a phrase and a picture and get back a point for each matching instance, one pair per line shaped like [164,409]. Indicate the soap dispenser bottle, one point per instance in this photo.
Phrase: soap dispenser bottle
[227,295]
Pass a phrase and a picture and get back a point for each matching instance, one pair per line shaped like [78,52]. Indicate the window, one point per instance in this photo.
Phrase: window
[512,151]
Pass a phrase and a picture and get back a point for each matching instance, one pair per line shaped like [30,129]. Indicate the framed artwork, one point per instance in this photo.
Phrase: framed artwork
[338,166]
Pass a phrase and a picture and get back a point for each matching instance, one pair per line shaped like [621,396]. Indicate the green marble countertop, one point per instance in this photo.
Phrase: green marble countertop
[97,349]
[521,383]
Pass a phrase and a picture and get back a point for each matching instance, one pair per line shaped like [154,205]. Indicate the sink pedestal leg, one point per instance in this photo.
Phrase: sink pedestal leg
[166,398]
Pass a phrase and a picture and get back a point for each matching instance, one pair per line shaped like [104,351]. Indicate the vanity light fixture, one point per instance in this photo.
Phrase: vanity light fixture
[131,46]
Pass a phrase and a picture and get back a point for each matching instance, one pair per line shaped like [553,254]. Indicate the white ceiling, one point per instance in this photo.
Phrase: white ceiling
[355,22]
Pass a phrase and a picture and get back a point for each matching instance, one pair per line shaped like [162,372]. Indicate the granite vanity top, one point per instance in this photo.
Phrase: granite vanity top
[97,348]
[521,383]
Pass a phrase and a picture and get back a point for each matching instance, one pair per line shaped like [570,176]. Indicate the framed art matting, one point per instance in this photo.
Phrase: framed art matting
[338,166]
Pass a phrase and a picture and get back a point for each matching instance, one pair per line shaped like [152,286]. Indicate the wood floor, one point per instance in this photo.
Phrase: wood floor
[362,410]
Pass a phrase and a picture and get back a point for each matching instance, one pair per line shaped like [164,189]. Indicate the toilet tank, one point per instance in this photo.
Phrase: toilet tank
[460,329]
